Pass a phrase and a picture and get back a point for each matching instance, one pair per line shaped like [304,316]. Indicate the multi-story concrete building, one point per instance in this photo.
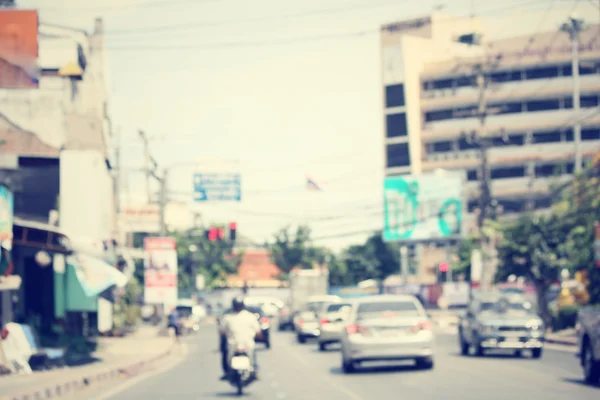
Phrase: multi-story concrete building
[431,100]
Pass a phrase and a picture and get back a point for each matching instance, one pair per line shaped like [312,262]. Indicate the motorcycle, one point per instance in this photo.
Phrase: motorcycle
[241,369]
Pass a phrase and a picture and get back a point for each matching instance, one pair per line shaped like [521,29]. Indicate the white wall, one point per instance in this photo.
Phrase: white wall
[86,199]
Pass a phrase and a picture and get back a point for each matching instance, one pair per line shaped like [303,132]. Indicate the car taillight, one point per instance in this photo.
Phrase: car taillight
[421,326]
[324,321]
[354,329]
[284,312]
[300,323]
[264,320]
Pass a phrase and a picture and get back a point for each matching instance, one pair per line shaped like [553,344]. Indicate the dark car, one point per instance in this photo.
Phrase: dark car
[265,325]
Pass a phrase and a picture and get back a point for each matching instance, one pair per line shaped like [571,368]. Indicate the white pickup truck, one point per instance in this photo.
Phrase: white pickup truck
[588,335]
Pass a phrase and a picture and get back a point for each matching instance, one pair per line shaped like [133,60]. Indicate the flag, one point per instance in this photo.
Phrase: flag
[312,185]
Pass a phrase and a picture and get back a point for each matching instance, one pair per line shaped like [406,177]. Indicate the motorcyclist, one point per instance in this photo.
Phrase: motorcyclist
[241,326]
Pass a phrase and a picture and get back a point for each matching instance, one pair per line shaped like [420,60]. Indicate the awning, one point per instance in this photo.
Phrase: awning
[11,282]
[95,275]
[40,236]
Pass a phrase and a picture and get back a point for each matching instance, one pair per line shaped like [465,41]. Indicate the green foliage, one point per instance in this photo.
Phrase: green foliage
[462,265]
[293,249]
[214,260]
[7,4]
[126,310]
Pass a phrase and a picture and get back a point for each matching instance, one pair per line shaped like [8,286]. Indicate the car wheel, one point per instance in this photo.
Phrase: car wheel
[591,367]
[347,366]
[479,350]
[536,353]
[301,339]
[322,346]
[424,363]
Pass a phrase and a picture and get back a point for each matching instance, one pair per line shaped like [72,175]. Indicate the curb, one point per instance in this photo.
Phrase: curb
[564,342]
[72,386]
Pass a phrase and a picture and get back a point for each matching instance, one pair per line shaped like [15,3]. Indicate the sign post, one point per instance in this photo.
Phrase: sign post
[160,271]
[217,187]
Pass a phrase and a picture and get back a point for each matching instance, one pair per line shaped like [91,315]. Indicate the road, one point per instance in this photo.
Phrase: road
[292,372]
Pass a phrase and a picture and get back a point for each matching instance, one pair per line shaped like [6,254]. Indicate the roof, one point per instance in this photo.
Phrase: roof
[385,297]
[257,265]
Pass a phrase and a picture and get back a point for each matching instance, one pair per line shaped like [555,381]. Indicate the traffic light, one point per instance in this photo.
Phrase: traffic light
[443,267]
[220,233]
[232,231]
[212,234]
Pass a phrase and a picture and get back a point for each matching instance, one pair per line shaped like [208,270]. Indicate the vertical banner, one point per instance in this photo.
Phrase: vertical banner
[6,222]
[160,270]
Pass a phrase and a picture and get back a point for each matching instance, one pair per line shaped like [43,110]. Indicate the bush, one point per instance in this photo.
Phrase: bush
[564,318]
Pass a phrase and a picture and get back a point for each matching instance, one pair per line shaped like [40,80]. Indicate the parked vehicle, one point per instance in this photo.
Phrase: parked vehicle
[304,283]
[588,335]
[315,305]
[387,328]
[331,324]
[495,320]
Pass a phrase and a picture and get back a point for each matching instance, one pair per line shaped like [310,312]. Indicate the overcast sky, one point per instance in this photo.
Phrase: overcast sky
[274,89]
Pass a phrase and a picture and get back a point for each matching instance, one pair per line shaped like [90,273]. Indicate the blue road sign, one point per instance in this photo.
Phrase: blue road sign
[425,208]
[217,187]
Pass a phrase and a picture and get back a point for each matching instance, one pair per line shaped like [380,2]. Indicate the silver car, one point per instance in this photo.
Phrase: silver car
[331,324]
[387,328]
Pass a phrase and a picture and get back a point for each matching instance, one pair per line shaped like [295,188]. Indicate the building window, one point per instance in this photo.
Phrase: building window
[464,144]
[547,137]
[438,115]
[396,125]
[541,73]
[589,101]
[507,172]
[394,95]
[511,206]
[590,134]
[548,170]
[442,147]
[472,175]
[442,84]
[543,105]
[472,205]
[398,155]
[505,76]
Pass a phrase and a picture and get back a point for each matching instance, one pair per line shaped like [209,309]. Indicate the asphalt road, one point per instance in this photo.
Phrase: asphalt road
[292,371]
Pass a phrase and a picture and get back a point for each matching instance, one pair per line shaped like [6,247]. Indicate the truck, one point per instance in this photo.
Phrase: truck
[588,343]
[304,283]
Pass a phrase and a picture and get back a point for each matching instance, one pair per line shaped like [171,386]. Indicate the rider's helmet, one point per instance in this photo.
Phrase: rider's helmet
[237,304]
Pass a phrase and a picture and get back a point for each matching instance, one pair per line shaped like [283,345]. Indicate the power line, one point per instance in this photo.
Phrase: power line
[295,15]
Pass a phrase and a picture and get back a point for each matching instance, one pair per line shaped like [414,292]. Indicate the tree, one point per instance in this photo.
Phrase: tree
[534,247]
[8,4]
[196,255]
[463,263]
[290,250]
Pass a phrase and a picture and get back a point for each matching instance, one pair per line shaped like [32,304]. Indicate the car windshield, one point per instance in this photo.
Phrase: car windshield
[315,306]
[387,309]
[504,306]
[336,307]
[184,311]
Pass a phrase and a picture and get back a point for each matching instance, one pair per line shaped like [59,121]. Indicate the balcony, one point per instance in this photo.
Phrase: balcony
[521,187]
[510,91]
[512,123]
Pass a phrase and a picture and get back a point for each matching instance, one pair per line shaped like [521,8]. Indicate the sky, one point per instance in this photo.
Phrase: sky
[276,90]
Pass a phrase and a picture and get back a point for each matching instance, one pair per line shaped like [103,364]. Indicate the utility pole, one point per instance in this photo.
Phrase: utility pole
[573,27]
[162,180]
[147,160]
[117,181]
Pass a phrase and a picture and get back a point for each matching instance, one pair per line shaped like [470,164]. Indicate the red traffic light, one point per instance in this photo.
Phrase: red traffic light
[443,267]
[232,226]
[212,234]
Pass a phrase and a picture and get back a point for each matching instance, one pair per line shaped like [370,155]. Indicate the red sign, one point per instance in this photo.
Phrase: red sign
[18,49]
[443,267]
[160,270]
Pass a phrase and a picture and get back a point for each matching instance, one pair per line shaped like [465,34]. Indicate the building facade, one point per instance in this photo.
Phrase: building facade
[431,99]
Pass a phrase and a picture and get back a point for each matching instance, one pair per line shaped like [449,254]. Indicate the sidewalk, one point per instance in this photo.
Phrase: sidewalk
[566,337]
[116,355]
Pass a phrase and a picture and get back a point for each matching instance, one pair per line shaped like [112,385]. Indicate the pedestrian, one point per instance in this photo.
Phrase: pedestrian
[174,323]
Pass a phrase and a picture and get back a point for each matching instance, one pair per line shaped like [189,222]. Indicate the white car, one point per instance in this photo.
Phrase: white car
[332,323]
[387,328]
